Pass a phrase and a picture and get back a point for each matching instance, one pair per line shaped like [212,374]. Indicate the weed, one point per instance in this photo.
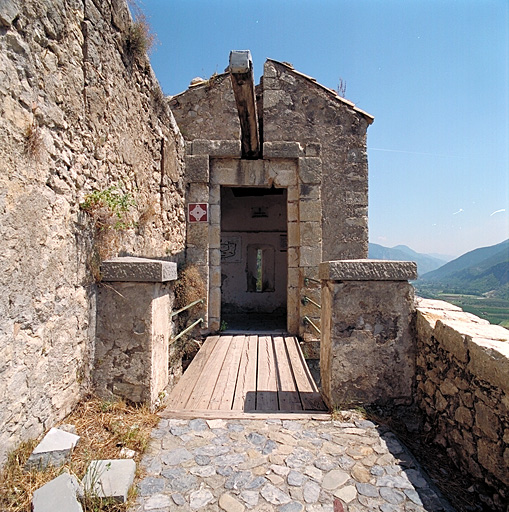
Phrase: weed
[224,326]
[189,287]
[341,88]
[105,427]
[33,141]
[138,39]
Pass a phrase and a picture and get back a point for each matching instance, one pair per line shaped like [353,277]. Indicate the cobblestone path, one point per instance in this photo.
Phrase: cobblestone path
[283,466]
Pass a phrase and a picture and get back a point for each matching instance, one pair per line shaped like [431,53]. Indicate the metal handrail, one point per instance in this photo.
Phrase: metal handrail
[306,299]
[310,279]
[187,329]
[310,322]
[175,313]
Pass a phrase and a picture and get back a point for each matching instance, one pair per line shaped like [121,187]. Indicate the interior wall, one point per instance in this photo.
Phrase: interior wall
[249,223]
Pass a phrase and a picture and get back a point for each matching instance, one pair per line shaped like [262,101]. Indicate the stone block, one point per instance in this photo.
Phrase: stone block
[309,192]
[225,172]
[292,212]
[310,211]
[310,256]
[489,359]
[293,234]
[60,494]
[451,339]
[109,478]
[197,168]
[56,446]
[131,269]
[217,148]
[9,10]
[310,170]
[197,255]
[215,257]
[311,234]
[197,193]
[253,173]
[197,232]
[292,193]
[368,270]
[313,149]
[282,149]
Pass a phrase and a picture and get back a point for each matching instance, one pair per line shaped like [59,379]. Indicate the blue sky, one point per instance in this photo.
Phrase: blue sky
[434,73]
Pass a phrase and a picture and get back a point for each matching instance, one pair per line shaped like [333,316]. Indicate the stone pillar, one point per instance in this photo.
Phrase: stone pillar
[133,329]
[367,352]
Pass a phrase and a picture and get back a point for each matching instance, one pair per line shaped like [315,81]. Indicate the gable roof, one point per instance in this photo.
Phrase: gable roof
[331,92]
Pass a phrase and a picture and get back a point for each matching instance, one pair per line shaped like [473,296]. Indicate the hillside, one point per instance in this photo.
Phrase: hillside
[478,282]
[425,263]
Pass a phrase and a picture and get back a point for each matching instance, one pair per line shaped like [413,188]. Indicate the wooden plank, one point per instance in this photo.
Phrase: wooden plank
[224,391]
[308,391]
[226,415]
[266,389]
[206,382]
[288,395]
[245,392]
[180,394]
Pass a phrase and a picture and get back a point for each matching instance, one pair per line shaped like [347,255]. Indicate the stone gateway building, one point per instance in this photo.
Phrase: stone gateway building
[109,190]
[298,198]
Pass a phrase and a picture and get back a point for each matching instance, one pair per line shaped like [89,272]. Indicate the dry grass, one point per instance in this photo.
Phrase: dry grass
[189,287]
[138,39]
[33,141]
[105,428]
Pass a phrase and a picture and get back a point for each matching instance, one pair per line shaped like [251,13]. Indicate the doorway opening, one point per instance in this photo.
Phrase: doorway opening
[253,259]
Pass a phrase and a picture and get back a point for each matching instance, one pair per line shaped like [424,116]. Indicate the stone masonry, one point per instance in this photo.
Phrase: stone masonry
[463,388]
[77,114]
[367,352]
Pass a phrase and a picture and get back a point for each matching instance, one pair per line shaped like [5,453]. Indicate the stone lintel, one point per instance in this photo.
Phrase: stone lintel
[217,148]
[143,270]
[368,270]
[282,149]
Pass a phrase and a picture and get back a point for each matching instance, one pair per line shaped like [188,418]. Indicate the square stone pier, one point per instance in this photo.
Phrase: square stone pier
[367,352]
[133,328]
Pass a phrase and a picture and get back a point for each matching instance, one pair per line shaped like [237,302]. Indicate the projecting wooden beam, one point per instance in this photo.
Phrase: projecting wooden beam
[241,73]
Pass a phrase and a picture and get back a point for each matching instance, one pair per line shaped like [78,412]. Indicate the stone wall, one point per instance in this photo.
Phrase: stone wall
[367,350]
[77,113]
[463,388]
[297,108]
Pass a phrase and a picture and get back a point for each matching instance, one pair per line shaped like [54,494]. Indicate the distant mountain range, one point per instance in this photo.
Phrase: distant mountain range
[425,262]
[478,272]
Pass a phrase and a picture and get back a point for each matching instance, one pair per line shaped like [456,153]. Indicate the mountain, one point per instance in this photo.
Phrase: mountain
[478,272]
[425,262]
[484,257]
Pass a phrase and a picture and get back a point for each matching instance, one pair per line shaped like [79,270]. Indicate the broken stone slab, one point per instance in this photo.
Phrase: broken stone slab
[368,270]
[60,494]
[282,149]
[54,449]
[110,478]
[144,270]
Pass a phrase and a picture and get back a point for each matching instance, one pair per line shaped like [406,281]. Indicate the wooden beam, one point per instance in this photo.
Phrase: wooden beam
[242,76]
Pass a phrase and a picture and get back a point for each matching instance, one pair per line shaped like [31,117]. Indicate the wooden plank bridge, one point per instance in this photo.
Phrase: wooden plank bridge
[246,376]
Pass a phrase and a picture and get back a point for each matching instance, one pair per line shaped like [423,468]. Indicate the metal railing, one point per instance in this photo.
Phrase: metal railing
[193,325]
[306,300]
[308,280]
[311,323]
[175,313]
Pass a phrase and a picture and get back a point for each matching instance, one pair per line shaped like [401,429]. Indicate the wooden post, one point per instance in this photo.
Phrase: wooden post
[241,73]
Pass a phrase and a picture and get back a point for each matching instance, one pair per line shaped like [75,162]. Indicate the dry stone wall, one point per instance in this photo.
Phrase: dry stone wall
[463,388]
[77,113]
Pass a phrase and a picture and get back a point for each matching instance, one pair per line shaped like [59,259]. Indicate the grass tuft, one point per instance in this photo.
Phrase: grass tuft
[105,428]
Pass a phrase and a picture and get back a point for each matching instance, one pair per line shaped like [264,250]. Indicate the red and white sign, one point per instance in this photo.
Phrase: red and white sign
[198,212]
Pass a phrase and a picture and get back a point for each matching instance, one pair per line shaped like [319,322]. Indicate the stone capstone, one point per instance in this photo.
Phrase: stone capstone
[131,269]
[61,493]
[109,478]
[54,449]
[368,270]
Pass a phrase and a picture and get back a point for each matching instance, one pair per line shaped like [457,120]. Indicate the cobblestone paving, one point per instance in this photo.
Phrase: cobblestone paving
[283,466]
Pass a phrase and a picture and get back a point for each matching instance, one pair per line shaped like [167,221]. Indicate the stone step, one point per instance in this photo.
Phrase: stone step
[59,494]
[54,449]
[109,478]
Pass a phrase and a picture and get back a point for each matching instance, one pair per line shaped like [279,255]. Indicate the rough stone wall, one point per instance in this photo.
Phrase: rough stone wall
[463,388]
[207,110]
[367,350]
[296,108]
[76,115]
